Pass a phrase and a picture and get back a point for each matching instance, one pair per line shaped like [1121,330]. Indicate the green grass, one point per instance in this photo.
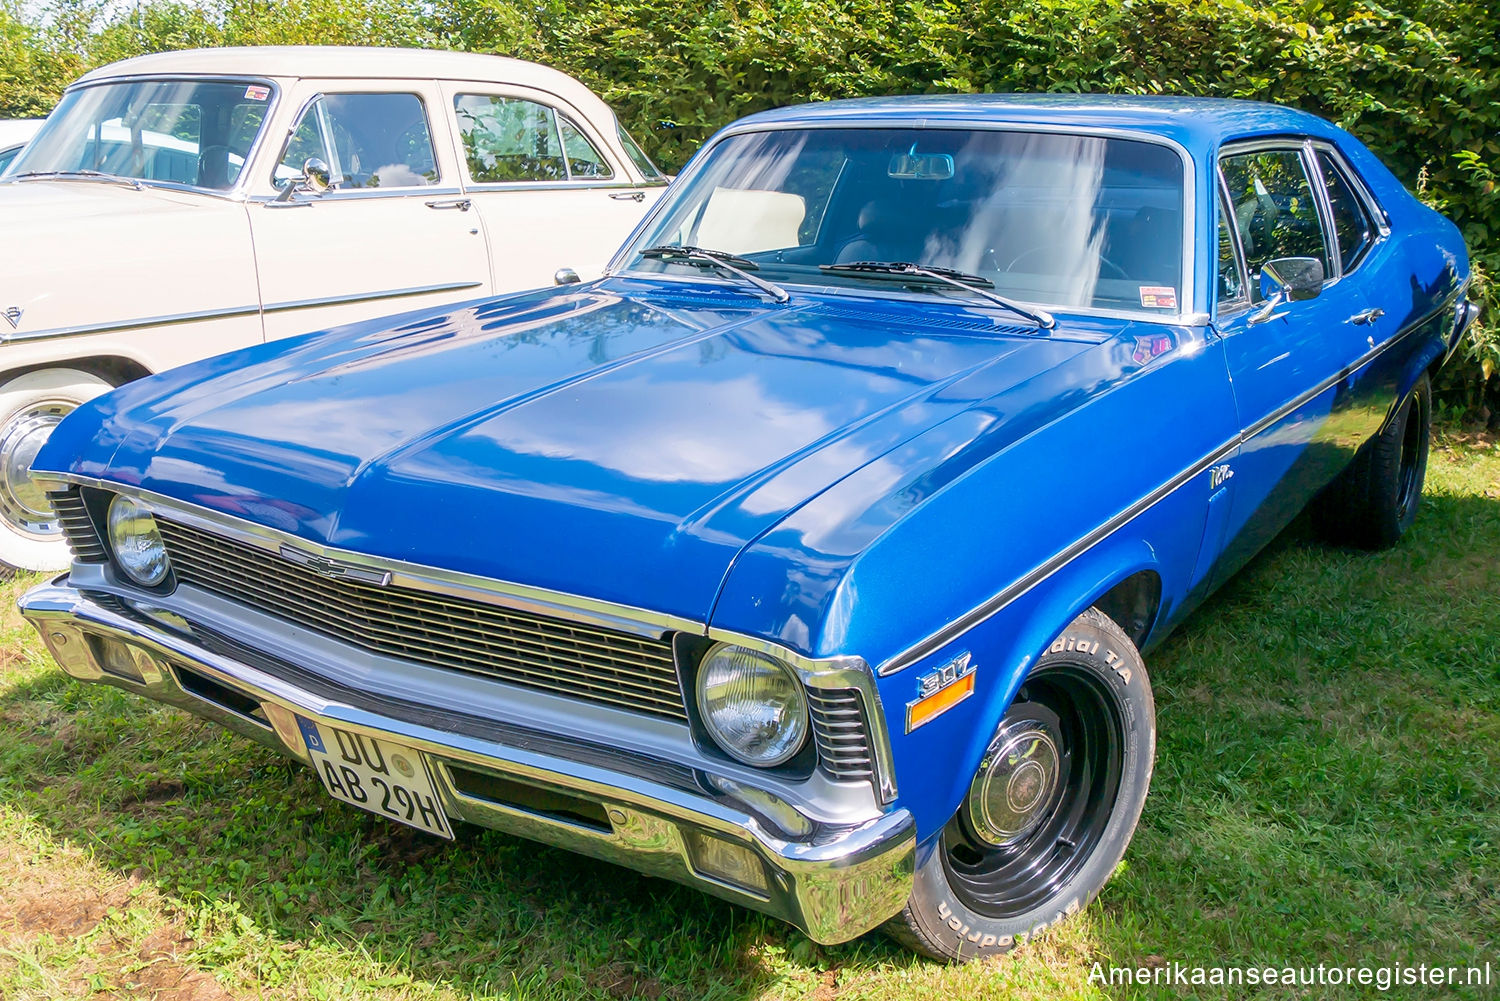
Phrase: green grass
[1327,791]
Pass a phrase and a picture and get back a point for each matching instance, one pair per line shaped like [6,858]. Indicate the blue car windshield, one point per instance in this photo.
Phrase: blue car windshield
[1045,218]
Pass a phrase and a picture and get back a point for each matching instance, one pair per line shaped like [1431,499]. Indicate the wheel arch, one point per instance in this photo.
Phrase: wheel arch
[1123,574]
[116,369]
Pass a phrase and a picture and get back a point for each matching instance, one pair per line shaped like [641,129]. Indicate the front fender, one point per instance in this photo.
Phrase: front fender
[935,762]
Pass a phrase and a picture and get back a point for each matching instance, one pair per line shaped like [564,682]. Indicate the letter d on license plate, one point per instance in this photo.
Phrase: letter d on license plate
[387,779]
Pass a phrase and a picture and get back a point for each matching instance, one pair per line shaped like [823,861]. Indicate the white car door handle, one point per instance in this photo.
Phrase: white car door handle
[462,204]
[629,196]
[1367,316]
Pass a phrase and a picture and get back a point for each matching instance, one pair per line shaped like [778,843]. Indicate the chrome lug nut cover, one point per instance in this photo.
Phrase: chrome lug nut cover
[1015,785]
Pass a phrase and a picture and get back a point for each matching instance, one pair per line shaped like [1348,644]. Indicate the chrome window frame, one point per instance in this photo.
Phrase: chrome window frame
[236,191]
[1374,212]
[435,188]
[619,179]
[1222,202]
[1187,316]
[1302,146]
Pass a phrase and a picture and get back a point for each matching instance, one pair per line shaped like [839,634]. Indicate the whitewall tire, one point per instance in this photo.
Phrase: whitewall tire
[31,405]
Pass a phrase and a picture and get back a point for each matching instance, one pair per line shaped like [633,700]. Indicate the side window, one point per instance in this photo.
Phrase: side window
[638,156]
[1352,227]
[1274,209]
[584,161]
[508,139]
[367,140]
[1231,280]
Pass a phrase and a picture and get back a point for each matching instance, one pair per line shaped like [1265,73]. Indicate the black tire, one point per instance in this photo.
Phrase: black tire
[985,885]
[1374,501]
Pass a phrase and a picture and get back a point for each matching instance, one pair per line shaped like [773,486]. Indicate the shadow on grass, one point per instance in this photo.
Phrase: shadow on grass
[214,819]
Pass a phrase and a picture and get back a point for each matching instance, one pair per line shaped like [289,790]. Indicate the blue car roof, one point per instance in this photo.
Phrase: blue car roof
[1198,123]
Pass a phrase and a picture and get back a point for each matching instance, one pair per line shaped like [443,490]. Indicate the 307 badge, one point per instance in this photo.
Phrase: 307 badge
[940,690]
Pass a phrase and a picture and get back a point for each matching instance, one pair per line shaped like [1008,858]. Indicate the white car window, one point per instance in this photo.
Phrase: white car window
[367,140]
[584,161]
[508,139]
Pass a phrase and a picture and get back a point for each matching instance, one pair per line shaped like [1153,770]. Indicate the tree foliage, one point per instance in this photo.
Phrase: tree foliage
[1418,80]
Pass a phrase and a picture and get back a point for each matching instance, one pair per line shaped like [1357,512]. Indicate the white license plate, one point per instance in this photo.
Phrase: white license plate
[387,779]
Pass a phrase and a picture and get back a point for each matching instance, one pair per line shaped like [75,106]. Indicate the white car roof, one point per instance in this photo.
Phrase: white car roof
[14,131]
[355,62]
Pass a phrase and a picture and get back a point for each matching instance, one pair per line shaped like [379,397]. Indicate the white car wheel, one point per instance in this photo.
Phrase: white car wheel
[30,407]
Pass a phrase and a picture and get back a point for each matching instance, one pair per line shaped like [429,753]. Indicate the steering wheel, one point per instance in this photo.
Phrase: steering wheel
[1104,262]
[213,167]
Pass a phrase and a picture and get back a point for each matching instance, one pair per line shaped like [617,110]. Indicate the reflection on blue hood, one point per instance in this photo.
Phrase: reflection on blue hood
[623,440]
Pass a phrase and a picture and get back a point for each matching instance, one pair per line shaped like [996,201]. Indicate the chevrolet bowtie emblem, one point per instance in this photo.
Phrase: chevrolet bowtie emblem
[13,314]
[335,569]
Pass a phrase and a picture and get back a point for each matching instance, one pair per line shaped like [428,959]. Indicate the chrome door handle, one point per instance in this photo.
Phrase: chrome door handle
[1367,316]
[462,204]
[629,196]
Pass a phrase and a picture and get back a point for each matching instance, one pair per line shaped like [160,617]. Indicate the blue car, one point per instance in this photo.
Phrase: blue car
[808,557]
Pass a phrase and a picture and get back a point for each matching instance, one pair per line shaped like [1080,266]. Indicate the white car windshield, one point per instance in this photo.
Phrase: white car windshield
[1050,219]
[192,132]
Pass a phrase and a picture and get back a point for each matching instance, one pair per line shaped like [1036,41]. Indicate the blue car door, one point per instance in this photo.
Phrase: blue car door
[1291,363]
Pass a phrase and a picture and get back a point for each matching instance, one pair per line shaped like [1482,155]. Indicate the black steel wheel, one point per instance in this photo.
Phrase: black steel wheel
[1374,501]
[1051,807]
[1042,798]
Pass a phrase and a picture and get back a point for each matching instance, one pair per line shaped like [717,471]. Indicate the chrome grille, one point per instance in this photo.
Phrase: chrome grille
[522,648]
[77,527]
[838,725]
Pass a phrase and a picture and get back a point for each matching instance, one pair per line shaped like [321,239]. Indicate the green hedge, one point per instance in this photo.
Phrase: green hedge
[1419,81]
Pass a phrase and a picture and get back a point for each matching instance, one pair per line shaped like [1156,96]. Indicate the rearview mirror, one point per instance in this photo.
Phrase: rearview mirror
[914,166]
[1292,278]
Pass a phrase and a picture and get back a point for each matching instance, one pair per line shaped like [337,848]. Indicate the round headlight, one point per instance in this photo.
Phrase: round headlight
[752,705]
[136,542]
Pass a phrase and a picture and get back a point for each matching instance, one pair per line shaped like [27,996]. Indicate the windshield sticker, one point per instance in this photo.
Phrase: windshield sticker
[254,93]
[1158,297]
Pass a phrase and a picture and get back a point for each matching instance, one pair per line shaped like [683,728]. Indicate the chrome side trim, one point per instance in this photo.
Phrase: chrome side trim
[359,194]
[579,184]
[991,606]
[164,320]
[395,293]
[170,319]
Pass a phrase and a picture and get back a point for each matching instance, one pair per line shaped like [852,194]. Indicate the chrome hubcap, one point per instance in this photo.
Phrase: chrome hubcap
[23,503]
[1016,784]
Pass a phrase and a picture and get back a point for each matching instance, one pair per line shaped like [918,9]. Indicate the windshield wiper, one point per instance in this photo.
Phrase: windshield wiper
[84,175]
[977,284]
[698,257]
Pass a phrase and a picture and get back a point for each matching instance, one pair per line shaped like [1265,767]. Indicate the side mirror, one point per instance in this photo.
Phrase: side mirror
[1287,279]
[316,178]
[1292,278]
[565,276]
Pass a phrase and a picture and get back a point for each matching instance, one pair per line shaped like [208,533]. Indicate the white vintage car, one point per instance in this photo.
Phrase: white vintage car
[14,134]
[180,205]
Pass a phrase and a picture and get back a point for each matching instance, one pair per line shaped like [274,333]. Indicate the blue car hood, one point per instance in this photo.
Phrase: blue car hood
[622,440]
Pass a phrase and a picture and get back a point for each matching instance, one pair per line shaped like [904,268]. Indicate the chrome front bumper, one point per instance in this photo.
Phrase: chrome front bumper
[661,818]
